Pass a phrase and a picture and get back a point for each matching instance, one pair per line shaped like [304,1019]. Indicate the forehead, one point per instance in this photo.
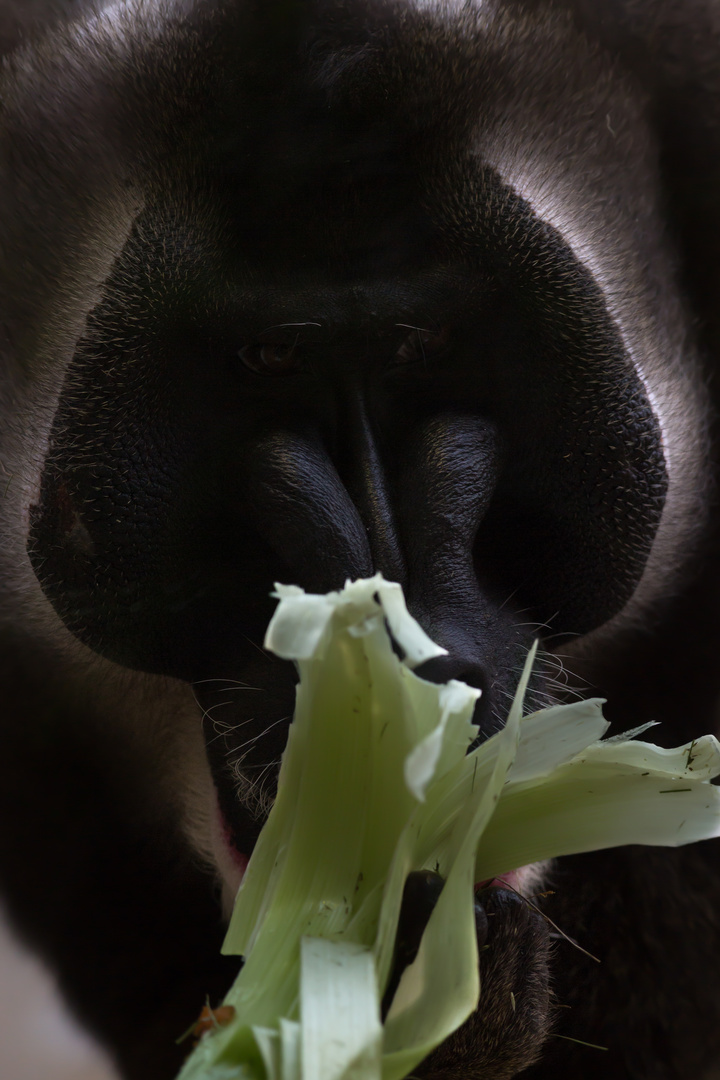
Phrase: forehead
[355,142]
[353,132]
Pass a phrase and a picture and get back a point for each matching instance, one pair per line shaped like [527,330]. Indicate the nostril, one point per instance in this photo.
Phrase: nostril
[473,676]
[457,666]
[443,668]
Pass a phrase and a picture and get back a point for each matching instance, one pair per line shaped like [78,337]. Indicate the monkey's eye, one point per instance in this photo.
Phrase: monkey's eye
[420,345]
[270,359]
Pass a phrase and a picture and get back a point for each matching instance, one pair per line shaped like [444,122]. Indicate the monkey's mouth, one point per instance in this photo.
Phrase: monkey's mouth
[233,863]
[245,725]
[245,780]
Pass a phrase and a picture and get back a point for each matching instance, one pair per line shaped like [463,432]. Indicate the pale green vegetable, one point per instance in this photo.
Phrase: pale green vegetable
[376,781]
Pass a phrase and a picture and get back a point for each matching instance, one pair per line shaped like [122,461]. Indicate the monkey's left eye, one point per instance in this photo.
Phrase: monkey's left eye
[419,345]
[270,359]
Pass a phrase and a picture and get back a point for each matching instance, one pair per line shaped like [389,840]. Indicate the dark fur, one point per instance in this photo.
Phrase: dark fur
[173,185]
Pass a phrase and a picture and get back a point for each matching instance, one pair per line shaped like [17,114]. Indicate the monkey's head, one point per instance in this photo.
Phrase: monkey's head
[357,288]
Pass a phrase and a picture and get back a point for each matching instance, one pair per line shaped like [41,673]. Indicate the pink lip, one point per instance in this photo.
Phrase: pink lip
[511,880]
[238,859]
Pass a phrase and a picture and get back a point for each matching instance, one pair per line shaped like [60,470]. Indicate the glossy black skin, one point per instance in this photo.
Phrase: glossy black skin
[272,309]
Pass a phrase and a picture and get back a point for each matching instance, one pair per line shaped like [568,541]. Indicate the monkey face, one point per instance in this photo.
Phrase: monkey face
[409,307]
[376,363]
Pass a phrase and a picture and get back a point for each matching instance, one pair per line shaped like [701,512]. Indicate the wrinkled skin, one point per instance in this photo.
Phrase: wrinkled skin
[300,291]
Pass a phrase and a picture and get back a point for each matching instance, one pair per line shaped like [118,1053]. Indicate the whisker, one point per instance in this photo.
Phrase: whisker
[226,729]
[234,684]
[259,736]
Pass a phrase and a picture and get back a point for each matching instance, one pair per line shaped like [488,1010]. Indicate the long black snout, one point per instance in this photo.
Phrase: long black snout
[416,523]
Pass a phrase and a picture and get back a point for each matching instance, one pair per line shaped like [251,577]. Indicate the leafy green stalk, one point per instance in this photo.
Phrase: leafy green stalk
[377,781]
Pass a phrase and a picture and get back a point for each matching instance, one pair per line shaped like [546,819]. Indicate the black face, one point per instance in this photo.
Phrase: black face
[472,428]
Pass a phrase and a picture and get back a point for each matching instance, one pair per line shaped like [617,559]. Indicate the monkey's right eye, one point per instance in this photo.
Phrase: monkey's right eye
[270,359]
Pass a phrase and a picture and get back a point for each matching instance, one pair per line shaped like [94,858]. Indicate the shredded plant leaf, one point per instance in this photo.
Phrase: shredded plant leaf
[376,781]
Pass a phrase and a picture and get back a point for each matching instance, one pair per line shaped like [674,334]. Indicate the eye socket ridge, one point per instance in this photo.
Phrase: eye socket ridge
[271,358]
